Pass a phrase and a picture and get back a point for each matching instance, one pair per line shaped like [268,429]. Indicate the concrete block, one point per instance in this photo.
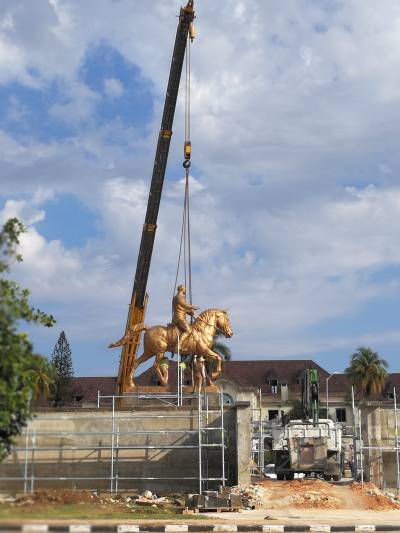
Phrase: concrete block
[215,503]
[236,501]
[199,501]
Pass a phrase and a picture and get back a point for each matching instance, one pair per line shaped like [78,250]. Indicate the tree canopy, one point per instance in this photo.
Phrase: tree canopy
[367,371]
[221,348]
[63,369]
[19,379]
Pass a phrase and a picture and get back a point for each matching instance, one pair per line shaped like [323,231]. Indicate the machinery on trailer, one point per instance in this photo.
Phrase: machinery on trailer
[137,308]
[311,445]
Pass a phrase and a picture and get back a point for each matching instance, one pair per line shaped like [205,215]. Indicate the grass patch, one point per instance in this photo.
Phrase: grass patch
[87,511]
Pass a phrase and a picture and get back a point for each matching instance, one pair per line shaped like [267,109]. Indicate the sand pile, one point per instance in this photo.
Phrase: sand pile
[311,494]
[374,498]
[315,500]
[300,493]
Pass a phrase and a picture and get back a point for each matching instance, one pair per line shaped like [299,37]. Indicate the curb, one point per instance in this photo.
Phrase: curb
[185,528]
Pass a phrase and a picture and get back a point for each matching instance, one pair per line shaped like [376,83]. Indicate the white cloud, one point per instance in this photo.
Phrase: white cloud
[293,117]
[23,210]
[178,188]
[113,87]
[79,105]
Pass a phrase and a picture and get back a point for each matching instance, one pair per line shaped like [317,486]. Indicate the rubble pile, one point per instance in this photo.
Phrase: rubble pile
[312,494]
[253,496]
[315,499]
[148,498]
[376,499]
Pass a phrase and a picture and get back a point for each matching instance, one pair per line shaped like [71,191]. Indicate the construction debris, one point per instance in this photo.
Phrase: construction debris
[253,496]
[148,498]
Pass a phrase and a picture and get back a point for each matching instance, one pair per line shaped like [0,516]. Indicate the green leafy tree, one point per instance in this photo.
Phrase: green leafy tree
[367,371]
[221,348]
[18,381]
[63,370]
[43,378]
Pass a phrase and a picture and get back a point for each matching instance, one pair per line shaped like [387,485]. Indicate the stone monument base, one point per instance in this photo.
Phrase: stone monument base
[146,396]
[158,389]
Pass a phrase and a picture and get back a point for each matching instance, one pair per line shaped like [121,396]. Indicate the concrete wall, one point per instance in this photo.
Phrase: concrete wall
[91,429]
[378,428]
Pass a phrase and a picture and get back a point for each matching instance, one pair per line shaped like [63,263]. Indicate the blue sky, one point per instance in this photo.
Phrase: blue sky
[295,178]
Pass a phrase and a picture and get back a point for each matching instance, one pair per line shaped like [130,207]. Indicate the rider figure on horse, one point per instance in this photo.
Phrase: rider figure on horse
[180,308]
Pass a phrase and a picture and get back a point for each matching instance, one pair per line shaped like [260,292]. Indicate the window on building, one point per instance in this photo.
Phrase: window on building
[274,386]
[78,398]
[273,414]
[284,392]
[340,415]
[323,412]
[227,399]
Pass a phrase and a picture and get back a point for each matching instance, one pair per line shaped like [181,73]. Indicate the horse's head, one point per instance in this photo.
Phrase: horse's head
[223,323]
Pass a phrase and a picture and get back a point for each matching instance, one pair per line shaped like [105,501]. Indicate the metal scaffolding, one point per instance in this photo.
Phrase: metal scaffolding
[194,407]
[360,448]
[262,429]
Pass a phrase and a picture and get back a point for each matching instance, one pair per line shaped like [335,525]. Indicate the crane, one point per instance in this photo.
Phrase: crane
[139,299]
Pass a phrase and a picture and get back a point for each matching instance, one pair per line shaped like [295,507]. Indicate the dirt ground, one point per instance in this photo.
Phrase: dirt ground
[309,501]
[278,502]
[318,494]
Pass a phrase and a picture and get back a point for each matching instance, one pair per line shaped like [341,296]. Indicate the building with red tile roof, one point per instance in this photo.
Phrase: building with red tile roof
[277,380]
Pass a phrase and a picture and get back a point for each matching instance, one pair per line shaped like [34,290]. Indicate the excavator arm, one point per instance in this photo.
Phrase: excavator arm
[137,307]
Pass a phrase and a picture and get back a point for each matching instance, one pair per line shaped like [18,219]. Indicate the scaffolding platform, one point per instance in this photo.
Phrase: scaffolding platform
[164,440]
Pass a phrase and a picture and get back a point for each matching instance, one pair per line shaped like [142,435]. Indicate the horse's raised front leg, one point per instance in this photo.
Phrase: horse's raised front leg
[161,368]
[217,358]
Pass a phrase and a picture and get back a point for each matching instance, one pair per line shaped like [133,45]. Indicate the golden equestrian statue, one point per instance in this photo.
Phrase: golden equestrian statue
[197,341]
[180,308]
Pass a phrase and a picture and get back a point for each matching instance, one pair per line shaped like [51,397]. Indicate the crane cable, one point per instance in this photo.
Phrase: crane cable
[185,239]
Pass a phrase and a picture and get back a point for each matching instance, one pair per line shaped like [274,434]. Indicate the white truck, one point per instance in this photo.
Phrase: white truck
[308,447]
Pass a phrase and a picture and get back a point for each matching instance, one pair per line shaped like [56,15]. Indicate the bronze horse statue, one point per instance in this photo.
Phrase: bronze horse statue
[160,339]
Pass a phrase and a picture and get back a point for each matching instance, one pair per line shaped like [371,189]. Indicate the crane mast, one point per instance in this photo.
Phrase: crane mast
[137,307]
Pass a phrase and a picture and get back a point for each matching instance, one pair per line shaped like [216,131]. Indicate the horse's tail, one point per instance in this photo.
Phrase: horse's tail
[132,331]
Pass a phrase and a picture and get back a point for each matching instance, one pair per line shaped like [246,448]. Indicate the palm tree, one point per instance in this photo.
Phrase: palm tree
[41,375]
[367,371]
[221,348]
